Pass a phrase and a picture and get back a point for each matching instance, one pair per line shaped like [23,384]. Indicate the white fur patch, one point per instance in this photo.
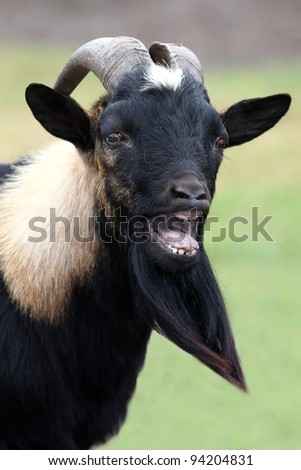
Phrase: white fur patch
[159,76]
[40,275]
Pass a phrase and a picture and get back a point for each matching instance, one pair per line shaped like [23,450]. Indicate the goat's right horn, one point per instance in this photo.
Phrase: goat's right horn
[176,55]
[107,58]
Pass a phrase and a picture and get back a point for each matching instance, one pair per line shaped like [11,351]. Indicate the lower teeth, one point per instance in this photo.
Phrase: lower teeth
[181,252]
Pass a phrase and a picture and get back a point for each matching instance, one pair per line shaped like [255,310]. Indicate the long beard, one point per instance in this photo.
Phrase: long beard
[187,308]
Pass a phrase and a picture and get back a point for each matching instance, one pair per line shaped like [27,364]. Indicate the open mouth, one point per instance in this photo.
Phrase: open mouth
[176,233]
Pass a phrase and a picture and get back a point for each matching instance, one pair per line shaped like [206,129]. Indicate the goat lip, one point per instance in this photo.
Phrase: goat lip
[176,233]
[193,214]
[182,211]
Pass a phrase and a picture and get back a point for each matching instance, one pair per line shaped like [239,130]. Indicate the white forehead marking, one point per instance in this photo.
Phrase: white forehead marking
[160,76]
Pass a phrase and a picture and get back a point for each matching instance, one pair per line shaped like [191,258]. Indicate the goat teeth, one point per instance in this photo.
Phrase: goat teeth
[175,251]
[193,252]
[181,252]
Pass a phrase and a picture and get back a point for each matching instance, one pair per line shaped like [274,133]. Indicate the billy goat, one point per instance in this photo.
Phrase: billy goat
[134,177]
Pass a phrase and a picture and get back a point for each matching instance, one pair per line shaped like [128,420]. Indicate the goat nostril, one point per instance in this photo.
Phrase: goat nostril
[202,195]
[189,190]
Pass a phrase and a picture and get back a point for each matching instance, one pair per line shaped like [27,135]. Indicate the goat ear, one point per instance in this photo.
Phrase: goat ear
[60,115]
[250,118]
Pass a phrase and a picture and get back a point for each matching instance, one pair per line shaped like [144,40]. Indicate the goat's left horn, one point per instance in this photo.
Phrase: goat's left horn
[176,55]
[107,58]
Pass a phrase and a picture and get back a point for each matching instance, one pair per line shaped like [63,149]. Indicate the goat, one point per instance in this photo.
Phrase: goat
[131,180]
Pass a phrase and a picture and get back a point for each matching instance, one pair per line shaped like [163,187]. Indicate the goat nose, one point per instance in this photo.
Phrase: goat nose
[189,188]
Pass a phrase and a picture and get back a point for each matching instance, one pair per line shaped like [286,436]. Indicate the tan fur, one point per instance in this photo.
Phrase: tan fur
[40,275]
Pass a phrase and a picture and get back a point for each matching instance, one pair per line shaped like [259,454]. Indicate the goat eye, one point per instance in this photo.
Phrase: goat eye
[114,138]
[220,143]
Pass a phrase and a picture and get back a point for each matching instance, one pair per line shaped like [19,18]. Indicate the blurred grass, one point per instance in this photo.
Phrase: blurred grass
[179,404]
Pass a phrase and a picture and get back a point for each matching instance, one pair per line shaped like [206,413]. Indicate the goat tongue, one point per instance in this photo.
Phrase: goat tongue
[177,239]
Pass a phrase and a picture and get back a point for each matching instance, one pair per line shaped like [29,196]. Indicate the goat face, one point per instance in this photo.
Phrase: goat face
[162,146]
[159,143]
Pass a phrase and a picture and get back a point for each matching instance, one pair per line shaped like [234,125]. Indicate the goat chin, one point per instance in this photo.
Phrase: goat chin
[189,310]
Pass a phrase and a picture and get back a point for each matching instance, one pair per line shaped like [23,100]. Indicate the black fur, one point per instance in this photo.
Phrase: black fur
[190,311]
[67,386]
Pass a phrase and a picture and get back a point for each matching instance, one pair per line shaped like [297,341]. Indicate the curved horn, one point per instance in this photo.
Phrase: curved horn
[176,55]
[107,58]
